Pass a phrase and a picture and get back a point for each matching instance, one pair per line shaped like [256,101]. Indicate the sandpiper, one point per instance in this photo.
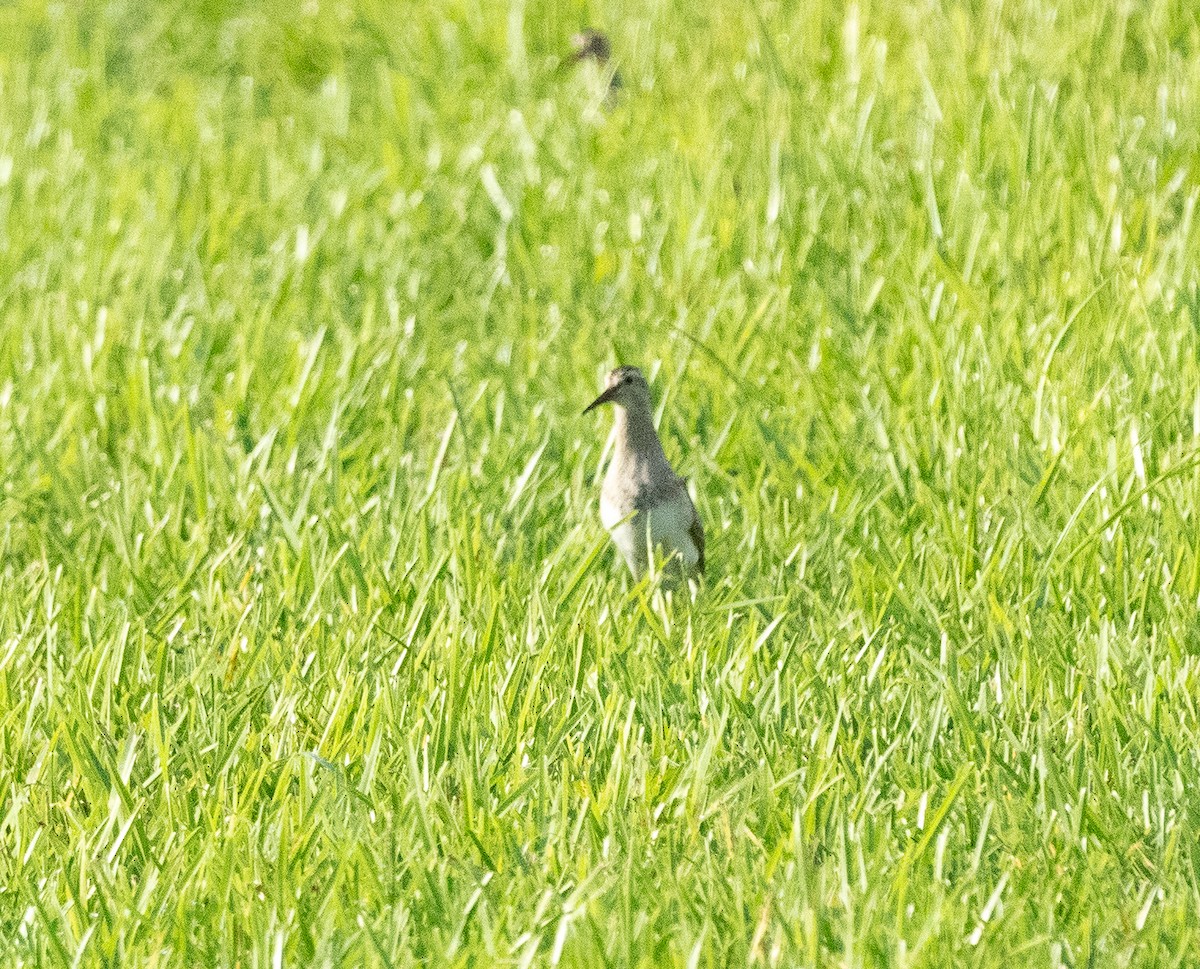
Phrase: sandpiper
[644,504]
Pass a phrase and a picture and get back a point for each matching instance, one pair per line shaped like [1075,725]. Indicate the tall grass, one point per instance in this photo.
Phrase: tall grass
[312,649]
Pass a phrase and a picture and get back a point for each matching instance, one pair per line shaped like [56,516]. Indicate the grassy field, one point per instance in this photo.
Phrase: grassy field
[312,649]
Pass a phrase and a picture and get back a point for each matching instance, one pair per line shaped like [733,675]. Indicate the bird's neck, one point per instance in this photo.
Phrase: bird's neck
[636,438]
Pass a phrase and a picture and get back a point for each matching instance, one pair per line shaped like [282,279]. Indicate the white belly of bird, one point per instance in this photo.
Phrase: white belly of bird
[668,524]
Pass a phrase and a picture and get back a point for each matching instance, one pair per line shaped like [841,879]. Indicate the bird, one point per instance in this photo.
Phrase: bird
[644,504]
[592,45]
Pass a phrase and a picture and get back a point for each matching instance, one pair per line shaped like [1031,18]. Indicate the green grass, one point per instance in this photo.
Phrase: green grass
[312,649]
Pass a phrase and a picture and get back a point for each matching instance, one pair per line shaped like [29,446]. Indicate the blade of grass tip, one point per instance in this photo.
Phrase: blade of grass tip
[939,815]
[740,385]
[647,595]
[523,478]
[768,41]
[698,949]
[573,583]
[951,273]
[483,852]
[462,427]
[1133,499]
[310,361]
[52,927]
[725,607]
[909,862]
[1048,475]
[958,706]
[458,408]
[435,471]
[383,954]
[1044,376]
[285,522]
[196,467]
[1044,572]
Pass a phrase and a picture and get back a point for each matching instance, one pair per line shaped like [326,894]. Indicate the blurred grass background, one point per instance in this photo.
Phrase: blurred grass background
[312,650]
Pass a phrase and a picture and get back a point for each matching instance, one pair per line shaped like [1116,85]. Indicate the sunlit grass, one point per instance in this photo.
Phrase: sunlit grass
[312,649]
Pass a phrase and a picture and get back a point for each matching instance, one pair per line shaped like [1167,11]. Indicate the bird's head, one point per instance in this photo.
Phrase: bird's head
[591,44]
[625,387]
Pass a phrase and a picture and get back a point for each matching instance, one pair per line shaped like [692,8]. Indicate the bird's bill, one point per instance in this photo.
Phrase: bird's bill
[605,398]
